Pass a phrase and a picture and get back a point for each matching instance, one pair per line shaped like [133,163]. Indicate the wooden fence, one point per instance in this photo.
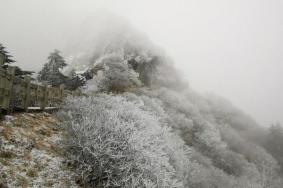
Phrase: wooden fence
[21,94]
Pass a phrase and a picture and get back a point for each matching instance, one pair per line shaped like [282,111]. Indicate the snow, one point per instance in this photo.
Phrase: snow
[30,160]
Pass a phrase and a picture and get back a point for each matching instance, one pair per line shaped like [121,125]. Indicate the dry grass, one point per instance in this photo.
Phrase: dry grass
[30,137]
[21,181]
[32,172]
[48,183]
[7,154]
[4,162]
[6,132]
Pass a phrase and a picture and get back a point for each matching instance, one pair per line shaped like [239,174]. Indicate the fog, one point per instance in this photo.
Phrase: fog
[231,48]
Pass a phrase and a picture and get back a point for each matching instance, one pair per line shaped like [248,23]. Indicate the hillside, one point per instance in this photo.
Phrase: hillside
[145,127]
[29,152]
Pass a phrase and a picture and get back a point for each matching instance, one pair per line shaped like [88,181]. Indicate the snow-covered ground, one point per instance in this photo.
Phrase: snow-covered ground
[30,153]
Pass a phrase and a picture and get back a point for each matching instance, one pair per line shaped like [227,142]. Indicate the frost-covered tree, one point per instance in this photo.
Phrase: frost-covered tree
[150,63]
[50,72]
[192,118]
[112,74]
[74,80]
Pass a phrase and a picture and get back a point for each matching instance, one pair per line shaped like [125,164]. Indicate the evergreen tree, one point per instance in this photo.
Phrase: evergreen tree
[51,70]
[75,81]
[5,58]
[21,73]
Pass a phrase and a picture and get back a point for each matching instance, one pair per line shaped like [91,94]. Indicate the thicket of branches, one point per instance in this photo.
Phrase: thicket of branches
[158,140]
[118,144]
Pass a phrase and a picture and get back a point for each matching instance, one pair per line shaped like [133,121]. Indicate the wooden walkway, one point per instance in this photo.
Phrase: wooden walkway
[22,94]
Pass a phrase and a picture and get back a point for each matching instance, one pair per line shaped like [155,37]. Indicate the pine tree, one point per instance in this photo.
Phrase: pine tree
[50,72]
[5,58]
[21,73]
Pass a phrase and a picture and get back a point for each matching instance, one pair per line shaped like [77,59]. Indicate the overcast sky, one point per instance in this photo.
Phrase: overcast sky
[229,47]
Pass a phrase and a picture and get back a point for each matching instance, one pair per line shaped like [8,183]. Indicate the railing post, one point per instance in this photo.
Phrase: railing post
[36,95]
[8,87]
[2,87]
[61,92]
[44,100]
[27,93]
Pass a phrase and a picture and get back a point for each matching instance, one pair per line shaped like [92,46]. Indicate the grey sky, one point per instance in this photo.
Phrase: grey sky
[229,47]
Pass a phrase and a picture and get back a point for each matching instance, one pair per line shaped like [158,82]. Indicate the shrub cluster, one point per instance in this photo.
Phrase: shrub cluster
[118,144]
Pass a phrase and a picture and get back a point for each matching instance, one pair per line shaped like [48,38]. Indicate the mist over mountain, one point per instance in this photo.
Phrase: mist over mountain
[146,127]
[229,48]
[118,85]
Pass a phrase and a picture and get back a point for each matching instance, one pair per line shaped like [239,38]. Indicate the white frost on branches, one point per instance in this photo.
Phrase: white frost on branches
[117,143]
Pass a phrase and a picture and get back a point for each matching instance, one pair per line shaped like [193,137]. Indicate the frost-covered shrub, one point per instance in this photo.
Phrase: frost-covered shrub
[193,118]
[124,140]
[112,74]
[118,144]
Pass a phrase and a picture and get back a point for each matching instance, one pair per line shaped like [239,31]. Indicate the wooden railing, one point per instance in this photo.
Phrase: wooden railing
[21,94]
